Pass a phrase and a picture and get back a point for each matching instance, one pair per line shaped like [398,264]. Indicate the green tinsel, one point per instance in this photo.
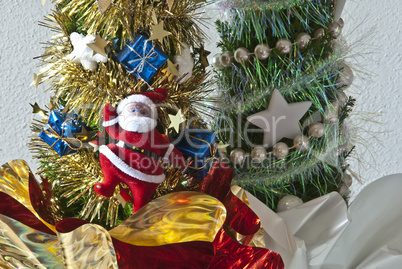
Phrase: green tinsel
[302,75]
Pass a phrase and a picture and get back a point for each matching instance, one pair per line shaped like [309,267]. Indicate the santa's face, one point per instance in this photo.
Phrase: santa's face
[137,117]
[137,109]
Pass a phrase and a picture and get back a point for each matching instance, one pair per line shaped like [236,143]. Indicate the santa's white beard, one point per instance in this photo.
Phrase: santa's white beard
[137,124]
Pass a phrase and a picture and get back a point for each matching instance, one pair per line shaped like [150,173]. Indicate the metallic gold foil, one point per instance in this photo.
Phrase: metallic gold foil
[89,246]
[173,218]
[25,247]
[14,181]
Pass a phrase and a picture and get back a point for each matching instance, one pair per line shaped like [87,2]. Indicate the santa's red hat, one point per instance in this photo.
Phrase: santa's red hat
[147,98]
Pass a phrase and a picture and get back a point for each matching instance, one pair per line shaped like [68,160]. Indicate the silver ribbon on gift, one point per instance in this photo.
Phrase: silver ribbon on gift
[152,54]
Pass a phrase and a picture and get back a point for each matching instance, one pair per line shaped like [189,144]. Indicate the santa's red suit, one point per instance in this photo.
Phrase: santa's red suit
[140,168]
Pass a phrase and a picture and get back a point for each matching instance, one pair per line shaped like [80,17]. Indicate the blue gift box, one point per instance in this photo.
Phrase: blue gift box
[200,146]
[59,132]
[141,57]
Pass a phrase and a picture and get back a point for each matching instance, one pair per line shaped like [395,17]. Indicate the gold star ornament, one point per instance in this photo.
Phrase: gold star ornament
[85,135]
[37,110]
[170,4]
[203,56]
[222,148]
[176,120]
[172,69]
[99,46]
[158,32]
[103,5]
[37,79]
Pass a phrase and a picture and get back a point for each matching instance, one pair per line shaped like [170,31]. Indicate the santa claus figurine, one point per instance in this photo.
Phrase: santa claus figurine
[137,156]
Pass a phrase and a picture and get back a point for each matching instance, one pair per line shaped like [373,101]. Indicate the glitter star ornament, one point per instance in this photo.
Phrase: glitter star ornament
[98,46]
[87,50]
[170,4]
[158,32]
[37,110]
[175,121]
[85,135]
[103,5]
[203,56]
[280,120]
[222,149]
[172,69]
[36,81]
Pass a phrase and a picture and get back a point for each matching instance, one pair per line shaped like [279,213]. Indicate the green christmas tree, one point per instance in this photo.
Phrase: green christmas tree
[81,68]
[282,78]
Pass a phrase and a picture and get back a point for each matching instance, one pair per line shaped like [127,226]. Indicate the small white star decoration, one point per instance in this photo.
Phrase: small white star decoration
[280,120]
[88,50]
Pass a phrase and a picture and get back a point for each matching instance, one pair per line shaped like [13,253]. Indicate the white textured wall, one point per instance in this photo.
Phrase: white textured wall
[372,26]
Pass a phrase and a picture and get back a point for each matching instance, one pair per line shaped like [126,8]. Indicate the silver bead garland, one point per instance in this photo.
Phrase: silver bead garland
[242,55]
[280,150]
[227,58]
[283,46]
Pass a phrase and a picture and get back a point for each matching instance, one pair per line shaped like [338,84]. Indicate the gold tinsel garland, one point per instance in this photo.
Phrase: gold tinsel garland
[124,18]
[85,92]
[78,173]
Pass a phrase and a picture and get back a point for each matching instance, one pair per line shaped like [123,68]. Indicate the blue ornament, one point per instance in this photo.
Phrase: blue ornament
[200,146]
[141,57]
[59,132]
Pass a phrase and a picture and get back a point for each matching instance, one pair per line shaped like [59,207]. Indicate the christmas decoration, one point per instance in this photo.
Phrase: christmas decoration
[103,5]
[200,146]
[237,156]
[72,177]
[171,69]
[86,51]
[60,130]
[98,46]
[203,56]
[37,80]
[158,32]
[282,69]
[137,196]
[136,158]
[170,3]
[289,202]
[194,219]
[85,135]
[185,64]
[141,57]
[37,110]
[176,120]
[280,120]
[283,46]
[222,148]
